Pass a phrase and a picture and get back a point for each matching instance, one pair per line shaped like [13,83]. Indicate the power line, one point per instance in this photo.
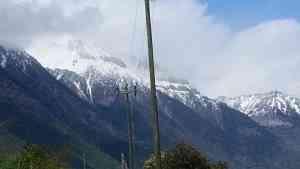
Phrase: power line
[132,35]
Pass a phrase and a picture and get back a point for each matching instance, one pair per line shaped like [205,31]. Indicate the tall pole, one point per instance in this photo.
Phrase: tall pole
[84,160]
[123,162]
[130,128]
[154,106]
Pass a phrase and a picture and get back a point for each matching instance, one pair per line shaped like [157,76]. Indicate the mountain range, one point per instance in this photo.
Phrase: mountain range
[82,106]
[273,109]
[276,111]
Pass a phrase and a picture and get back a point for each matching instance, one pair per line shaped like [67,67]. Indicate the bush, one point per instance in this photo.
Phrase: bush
[8,162]
[33,157]
[184,157]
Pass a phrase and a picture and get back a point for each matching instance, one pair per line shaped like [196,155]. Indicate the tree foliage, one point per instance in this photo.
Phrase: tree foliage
[34,157]
[184,157]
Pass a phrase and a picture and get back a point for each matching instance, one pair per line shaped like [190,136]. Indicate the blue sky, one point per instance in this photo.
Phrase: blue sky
[243,13]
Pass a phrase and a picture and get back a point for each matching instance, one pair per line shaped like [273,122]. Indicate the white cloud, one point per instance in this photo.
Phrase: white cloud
[189,42]
[23,21]
[262,58]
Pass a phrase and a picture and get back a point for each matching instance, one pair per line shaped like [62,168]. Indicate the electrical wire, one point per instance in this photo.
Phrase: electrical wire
[155,41]
[132,36]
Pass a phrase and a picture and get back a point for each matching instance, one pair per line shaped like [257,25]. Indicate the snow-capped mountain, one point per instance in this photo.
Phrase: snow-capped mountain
[85,100]
[90,70]
[87,57]
[269,109]
[207,108]
[185,114]
[10,57]
[96,66]
[185,93]
[41,110]
[94,75]
[100,75]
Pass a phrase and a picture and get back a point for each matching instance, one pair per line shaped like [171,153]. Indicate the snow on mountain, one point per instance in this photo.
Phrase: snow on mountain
[209,109]
[93,62]
[94,65]
[93,74]
[4,60]
[269,109]
[185,93]
[97,66]
[11,57]
[100,75]
[207,123]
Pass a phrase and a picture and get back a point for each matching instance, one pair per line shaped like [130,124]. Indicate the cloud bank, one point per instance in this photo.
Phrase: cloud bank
[190,43]
[23,21]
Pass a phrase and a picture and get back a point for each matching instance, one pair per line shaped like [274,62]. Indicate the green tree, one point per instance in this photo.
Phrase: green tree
[8,162]
[184,157]
[220,165]
[35,157]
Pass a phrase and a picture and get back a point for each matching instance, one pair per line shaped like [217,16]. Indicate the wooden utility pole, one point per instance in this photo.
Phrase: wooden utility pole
[154,105]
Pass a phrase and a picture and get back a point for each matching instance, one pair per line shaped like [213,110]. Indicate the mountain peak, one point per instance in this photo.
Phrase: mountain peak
[15,57]
[274,105]
[276,93]
[85,54]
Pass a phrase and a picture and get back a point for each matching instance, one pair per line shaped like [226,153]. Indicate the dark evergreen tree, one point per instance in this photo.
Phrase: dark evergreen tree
[184,157]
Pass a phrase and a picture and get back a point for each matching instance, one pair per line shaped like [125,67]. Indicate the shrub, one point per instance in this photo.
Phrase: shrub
[33,157]
[184,157]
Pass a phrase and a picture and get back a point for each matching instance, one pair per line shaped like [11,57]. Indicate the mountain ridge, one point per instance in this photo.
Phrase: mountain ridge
[223,133]
[184,112]
[41,110]
[268,109]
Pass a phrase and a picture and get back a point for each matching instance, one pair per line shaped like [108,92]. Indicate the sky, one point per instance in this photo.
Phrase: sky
[223,48]
[242,14]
